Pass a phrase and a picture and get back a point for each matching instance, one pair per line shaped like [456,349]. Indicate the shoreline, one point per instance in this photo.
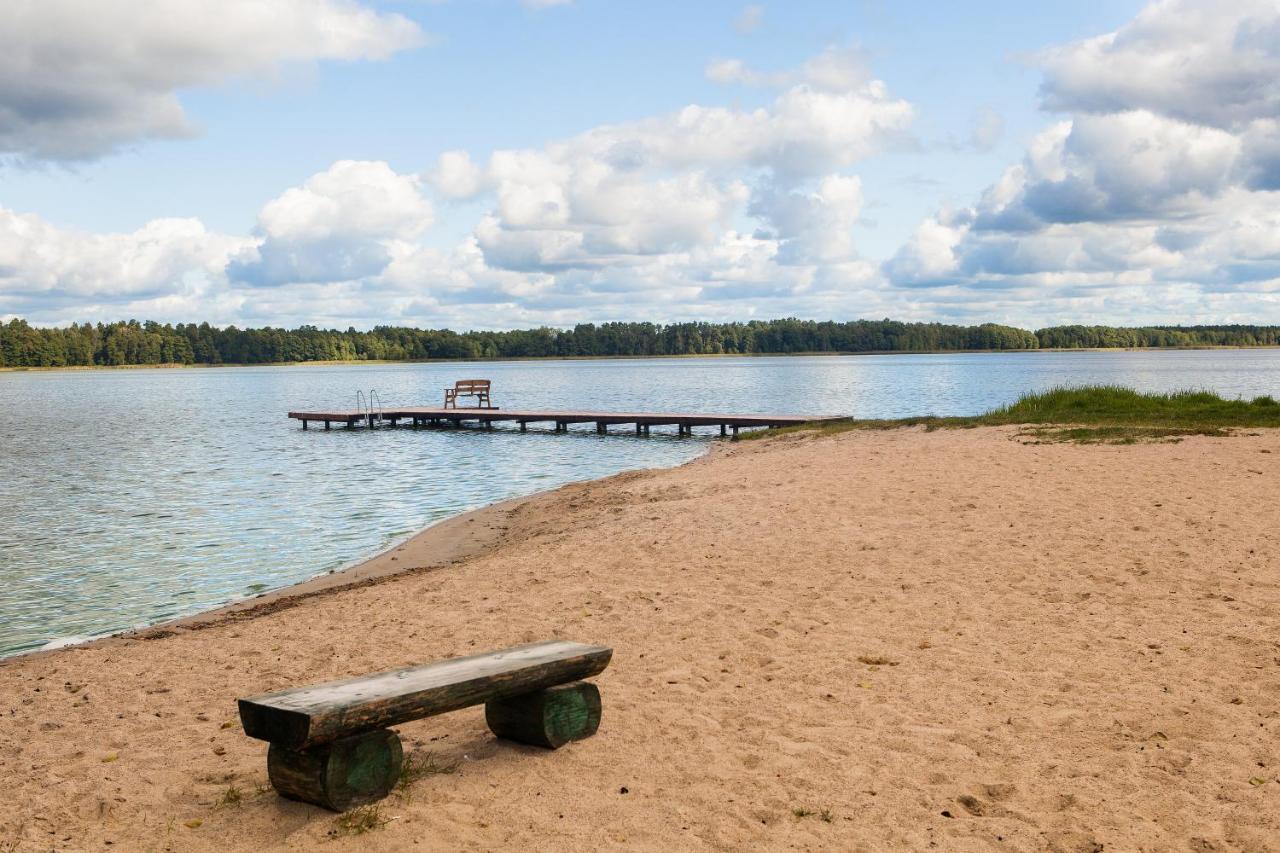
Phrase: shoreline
[524,359]
[436,546]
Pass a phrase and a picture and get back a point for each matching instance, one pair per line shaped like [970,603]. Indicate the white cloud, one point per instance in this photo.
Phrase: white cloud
[1155,199]
[66,275]
[835,69]
[812,228]
[1109,167]
[76,83]
[929,256]
[338,226]
[645,210]
[354,198]
[735,71]
[988,128]
[749,19]
[806,132]
[456,176]
[1197,61]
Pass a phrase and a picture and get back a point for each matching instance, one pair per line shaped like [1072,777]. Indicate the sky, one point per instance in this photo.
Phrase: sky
[517,163]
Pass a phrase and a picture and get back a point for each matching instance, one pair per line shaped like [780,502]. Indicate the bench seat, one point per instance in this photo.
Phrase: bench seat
[330,744]
[478,388]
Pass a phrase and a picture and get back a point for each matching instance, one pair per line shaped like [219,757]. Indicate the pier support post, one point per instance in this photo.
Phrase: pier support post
[639,429]
[524,426]
[735,431]
[304,424]
[601,429]
[326,424]
[646,429]
[722,430]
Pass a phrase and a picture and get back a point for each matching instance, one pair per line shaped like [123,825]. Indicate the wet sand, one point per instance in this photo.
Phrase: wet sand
[899,639]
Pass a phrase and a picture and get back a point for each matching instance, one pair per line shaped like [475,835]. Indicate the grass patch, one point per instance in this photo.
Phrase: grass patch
[233,796]
[360,820]
[801,812]
[1090,414]
[1111,405]
[1115,434]
[420,765]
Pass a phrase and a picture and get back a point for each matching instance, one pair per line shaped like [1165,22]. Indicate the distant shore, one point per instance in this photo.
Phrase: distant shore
[878,638]
[388,362]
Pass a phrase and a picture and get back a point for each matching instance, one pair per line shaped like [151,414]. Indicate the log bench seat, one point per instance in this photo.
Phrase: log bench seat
[331,745]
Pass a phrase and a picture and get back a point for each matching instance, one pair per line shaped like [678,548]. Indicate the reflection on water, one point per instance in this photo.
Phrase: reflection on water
[135,496]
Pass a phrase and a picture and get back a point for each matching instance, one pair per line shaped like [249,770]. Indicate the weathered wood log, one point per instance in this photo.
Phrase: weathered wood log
[550,717]
[339,775]
[311,715]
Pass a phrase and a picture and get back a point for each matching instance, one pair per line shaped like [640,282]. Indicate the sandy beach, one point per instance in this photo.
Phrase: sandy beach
[901,639]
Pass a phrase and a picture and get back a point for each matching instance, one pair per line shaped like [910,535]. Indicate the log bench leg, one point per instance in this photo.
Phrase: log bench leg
[348,772]
[549,718]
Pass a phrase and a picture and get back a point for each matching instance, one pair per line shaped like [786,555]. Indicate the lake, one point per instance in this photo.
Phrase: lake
[134,496]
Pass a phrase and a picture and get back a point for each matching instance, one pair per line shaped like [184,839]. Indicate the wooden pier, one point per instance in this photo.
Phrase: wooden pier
[419,416]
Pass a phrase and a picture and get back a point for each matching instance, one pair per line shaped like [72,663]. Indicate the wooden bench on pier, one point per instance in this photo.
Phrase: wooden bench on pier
[331,745]
[478,388]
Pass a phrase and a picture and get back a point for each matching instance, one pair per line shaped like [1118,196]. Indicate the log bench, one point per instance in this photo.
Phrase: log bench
[331,745]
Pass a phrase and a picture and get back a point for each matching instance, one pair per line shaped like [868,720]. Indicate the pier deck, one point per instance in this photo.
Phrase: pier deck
[429,416]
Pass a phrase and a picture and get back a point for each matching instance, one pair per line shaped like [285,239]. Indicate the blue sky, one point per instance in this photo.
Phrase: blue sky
[991,161]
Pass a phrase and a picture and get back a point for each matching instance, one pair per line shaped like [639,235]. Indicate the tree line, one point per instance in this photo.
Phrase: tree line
[134,343]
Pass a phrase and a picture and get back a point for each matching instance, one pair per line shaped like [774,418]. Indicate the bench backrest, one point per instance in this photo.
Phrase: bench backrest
[467,386]
[306,716]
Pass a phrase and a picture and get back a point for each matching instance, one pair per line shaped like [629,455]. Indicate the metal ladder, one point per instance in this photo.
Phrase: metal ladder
[365,405]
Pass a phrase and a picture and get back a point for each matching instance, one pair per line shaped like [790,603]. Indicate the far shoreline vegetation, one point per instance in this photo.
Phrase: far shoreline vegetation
[150,344]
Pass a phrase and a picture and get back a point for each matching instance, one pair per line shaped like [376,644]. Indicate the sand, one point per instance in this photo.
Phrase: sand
[878,640]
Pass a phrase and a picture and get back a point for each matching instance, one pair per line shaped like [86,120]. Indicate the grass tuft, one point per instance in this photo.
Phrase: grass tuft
[1090,414]
[360,820]
[233,796]
[825,815]
[420,765]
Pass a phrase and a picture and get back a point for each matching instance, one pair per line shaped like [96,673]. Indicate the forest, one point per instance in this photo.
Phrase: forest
[149,343]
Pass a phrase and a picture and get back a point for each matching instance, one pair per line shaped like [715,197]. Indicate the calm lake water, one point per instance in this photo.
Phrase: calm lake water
[131,497]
